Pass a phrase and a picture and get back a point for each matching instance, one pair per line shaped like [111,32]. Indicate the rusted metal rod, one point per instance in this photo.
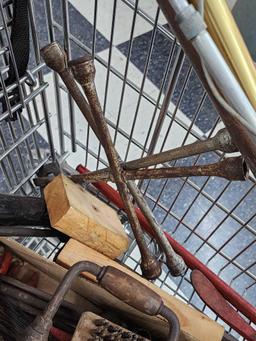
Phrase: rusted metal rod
[51,55]
[116,282]
[82,68]
[40,328]
[221,141]
[232,168]
[55,57]
[84,72]
[175,262]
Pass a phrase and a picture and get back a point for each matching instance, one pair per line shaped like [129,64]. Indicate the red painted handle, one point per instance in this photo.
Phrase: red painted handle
[6,262]
[214,300]
[192,262]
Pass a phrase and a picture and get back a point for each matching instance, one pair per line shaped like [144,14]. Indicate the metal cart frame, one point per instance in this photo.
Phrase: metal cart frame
[23,150]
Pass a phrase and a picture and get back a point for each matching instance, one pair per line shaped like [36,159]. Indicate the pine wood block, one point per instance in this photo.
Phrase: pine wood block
[80,215]
[194,325]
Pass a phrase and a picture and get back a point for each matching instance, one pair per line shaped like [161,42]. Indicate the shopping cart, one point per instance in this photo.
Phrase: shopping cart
[212,220]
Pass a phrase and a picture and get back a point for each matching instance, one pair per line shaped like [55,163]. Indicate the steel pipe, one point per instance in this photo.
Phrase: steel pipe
[193,27]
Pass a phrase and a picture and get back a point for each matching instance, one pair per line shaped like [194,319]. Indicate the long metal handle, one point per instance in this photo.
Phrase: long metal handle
[233,168]
[221,141]
[84,73]
[30,231]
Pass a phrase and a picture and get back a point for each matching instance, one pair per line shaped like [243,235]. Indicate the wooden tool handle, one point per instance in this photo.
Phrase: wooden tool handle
[130,291]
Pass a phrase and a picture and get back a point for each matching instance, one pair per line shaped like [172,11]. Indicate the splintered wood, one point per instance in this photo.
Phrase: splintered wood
[92,326]
[80,215]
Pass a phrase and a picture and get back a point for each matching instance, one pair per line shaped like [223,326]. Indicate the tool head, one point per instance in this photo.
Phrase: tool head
[234,168]
[55,57]
[151,268]
[178,267]
[223,141]
[83,69]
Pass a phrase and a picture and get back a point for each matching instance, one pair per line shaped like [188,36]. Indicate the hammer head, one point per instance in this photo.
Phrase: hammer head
[55,57]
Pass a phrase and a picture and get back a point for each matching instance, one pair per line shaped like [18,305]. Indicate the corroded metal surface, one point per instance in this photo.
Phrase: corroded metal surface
[84,72]
[233,168]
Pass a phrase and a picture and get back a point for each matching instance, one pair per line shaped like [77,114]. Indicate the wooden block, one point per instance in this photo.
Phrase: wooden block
[80,215]
[194,325]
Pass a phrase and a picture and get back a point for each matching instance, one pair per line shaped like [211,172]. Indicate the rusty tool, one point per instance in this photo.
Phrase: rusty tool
[232,168]
[221,141]
[34,306]
[214,300]
[117,283]
[55,58]
[36,302]
[84,72]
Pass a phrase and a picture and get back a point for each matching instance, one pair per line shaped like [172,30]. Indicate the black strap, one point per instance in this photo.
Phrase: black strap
[20,46]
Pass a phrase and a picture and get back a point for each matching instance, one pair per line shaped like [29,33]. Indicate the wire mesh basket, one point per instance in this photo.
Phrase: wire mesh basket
[152,100]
